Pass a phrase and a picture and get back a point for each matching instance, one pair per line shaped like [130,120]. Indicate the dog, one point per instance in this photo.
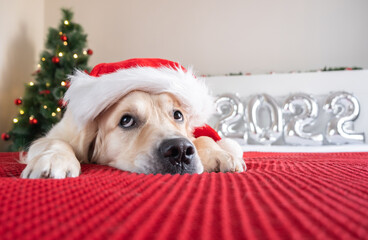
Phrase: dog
[142,125]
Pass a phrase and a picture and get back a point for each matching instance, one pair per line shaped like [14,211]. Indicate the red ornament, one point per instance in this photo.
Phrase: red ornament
[45,92]
[61,103]
[63,38]
[33,121]
[18,101]
[89,52]
[67,84]
[36,72]
[5,136]
[348,69]
[55,60]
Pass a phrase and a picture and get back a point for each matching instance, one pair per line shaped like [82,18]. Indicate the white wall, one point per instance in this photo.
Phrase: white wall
[21,41]
[219,37]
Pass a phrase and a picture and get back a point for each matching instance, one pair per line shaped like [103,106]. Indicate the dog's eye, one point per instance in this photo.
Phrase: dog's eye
[127,121]
[178,116]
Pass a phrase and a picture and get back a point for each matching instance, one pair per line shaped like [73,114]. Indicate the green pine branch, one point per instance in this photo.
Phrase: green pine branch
[41,105]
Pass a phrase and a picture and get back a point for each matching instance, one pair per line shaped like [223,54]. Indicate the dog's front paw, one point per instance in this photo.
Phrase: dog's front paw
[222,157]
[230,163]
[235,161]
[222,161]
[51,164]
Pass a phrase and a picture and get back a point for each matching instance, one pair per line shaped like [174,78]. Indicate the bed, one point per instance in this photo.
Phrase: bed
[281,196]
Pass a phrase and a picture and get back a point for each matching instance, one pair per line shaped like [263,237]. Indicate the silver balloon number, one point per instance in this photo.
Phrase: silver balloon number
[304,111]
[264,134]
[345,109]
[231,110]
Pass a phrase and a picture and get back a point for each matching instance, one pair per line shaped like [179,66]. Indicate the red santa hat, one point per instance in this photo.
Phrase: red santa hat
[90,94]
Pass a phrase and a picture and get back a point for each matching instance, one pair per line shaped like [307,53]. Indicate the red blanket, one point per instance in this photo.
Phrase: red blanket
[281,196]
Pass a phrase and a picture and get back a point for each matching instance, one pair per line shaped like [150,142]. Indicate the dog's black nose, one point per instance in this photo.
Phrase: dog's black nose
[177,150]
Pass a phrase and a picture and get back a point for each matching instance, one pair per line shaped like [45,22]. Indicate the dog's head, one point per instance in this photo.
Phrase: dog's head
[145,110]
[146,133]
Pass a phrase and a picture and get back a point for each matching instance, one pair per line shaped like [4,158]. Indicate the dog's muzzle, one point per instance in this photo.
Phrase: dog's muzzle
[178,156]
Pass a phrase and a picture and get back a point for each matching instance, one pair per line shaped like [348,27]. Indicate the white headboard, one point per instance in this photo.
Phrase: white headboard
[317,84]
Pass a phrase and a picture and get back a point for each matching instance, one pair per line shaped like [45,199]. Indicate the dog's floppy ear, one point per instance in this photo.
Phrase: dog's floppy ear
[91,150]
[95,147]
[86,141]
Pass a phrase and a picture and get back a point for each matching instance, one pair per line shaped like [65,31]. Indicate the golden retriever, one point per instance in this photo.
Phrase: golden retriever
[141,132]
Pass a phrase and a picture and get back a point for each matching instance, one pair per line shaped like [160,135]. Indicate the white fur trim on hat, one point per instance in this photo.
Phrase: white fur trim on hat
[88,96]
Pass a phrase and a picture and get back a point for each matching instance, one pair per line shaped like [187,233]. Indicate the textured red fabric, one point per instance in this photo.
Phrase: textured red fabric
[281,196]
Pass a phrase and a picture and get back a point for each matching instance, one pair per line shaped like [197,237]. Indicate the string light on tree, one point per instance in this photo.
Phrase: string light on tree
[65,43]
[31,84]
[21,112]
[65,84]
[53,114]
[66,22]
[15,120]
[61,54]
[75,55]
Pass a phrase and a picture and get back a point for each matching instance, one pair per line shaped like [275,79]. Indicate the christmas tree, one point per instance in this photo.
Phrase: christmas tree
[42,104]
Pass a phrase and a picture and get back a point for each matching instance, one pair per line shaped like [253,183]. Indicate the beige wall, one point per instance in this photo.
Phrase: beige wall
[217,37]
[21,40]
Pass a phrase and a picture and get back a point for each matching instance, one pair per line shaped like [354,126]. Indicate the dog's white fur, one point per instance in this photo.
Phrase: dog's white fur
[103,141]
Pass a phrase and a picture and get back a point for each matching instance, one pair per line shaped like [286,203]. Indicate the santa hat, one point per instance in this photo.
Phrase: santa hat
[90,94]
